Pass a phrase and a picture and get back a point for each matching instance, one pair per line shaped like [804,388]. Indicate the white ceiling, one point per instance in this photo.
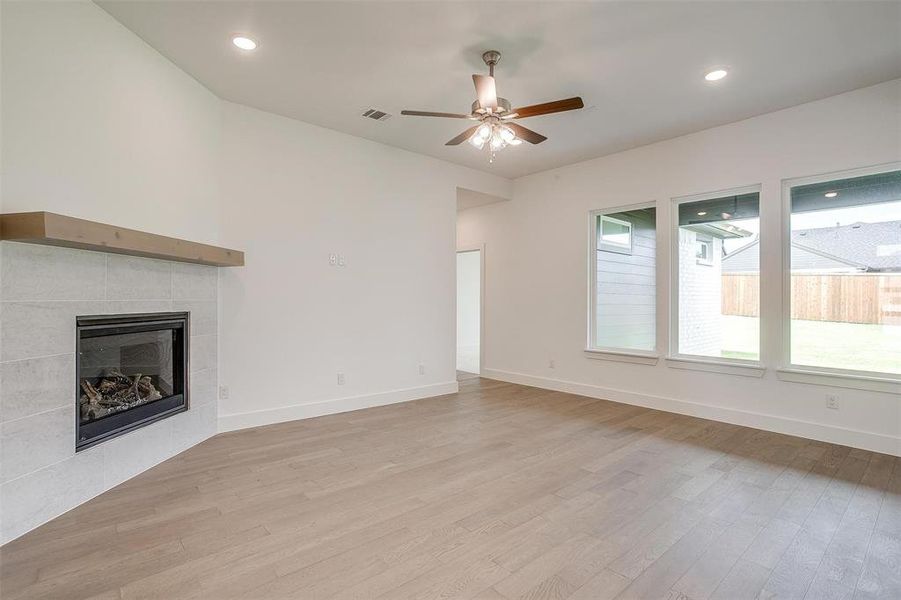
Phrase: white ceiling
[638,65]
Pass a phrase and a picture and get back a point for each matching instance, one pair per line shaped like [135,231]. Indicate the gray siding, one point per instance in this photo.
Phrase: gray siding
[626,288]
[746,260]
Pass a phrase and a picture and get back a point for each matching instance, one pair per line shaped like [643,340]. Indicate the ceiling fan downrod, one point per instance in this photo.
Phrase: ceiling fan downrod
[491,58]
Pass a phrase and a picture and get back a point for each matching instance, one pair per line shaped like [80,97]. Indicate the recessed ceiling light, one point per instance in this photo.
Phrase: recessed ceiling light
[831,194]
[716,74]
[244,42]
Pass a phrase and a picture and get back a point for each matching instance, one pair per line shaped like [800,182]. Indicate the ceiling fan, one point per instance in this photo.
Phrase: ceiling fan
[496,128]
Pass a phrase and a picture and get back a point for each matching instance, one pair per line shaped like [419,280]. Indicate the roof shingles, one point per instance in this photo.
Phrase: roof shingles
[876,245]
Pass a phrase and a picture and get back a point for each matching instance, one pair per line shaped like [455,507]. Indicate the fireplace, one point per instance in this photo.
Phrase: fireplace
[131,370]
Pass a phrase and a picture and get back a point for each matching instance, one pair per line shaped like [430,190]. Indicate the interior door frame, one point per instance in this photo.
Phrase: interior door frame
[481,250]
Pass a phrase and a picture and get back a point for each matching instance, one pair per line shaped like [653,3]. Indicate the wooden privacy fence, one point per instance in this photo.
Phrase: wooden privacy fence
[865,298]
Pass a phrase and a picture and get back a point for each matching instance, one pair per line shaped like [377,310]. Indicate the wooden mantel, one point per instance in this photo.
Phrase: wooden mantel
[51,229]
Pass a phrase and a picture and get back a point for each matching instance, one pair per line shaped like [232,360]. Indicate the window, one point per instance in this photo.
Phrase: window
[614,235]
[704,252]
[844,273]
[716,259]
[623,280]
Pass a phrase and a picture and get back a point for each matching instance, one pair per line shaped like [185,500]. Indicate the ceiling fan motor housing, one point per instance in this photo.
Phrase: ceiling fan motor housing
[503,107]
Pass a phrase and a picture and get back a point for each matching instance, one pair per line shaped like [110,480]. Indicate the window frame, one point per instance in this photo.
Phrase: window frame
[735,366]
[708,245]
[592,350]
[614,246]
[789,371]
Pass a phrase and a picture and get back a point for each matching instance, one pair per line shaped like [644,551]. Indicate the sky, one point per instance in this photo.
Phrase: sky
[869,213]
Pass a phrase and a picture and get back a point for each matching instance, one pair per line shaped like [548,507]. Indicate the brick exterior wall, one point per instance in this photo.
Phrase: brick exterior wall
[700,289]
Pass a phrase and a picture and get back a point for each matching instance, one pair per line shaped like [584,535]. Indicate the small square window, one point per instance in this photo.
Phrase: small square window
[614,235]
[704,252]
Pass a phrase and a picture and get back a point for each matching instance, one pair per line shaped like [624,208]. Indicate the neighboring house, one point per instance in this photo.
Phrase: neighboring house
[700,288]
[626,280]
[821,261]
[855,248]
[627,286]
[701,285]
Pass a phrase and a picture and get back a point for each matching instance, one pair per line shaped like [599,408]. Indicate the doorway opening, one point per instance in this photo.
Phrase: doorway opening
[469,313]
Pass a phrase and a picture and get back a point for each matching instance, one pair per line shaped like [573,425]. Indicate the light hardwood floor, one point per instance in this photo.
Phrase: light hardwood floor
[498,492]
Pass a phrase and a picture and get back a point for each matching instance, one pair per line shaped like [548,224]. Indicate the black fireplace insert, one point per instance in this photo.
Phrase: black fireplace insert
[131,370]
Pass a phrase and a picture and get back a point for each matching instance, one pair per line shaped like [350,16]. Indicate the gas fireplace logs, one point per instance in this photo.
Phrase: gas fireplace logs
[116,392]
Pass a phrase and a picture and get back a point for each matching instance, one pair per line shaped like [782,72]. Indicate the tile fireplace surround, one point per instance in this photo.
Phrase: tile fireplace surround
[42,290]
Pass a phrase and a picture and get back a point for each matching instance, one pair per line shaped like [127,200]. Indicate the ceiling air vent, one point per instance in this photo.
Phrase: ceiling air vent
[376,115]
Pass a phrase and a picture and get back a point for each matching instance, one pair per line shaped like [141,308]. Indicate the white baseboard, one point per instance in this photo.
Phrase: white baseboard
[328,407]
[875,442]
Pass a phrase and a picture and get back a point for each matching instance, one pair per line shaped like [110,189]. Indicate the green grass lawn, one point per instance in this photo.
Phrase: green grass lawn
[822,344]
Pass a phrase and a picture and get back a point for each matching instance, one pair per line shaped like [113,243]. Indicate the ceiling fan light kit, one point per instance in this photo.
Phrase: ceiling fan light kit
[495,115]
[495,135]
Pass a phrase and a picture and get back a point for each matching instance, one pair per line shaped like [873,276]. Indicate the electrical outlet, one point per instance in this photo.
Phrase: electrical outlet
[421,369]
[832,401]
[551,364]
[333,259]
[223,392]
[340,378]
[341,261]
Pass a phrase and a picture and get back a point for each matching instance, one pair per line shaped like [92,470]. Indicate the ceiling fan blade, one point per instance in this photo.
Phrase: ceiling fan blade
[425,113]
[462,137]
[525,134]
[486,90]
[548,108]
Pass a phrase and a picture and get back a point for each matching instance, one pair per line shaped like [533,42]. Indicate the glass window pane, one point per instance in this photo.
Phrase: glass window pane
[616,232]
[846,274]
[124,371]
[719,277]
[704,252]
[625,315]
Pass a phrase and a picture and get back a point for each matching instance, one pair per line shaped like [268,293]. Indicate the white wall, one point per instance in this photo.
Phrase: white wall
[536,270]
[469,275]
[98,125]
[293,194]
